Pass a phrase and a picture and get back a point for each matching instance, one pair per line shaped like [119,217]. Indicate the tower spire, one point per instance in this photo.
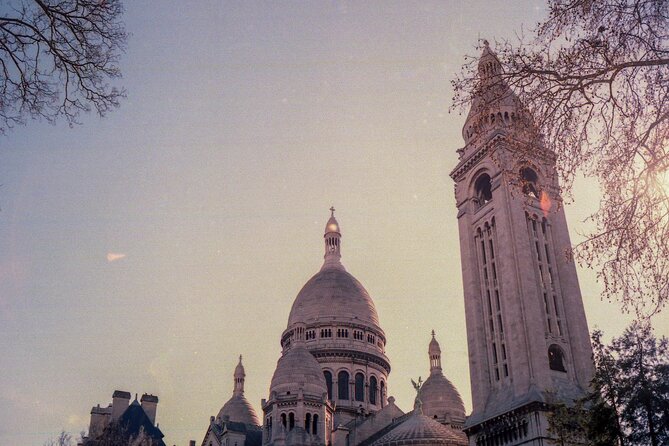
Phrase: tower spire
[495,107]
[332,238]
[239,376]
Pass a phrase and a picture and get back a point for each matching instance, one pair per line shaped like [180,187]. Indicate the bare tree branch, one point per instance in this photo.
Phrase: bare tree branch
[595,77]
[57,59]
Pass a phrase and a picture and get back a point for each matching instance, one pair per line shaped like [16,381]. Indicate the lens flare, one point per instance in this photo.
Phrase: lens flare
[545,203]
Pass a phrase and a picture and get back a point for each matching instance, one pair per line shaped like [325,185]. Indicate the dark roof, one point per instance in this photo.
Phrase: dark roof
[134,418]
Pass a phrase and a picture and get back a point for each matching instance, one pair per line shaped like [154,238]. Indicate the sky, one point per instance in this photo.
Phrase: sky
[145,251]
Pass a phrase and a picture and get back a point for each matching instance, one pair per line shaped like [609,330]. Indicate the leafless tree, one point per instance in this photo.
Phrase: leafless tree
[595,77]
[63,439]
[57,58]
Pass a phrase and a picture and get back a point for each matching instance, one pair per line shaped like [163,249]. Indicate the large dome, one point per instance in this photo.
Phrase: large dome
[333,295]
[334,319]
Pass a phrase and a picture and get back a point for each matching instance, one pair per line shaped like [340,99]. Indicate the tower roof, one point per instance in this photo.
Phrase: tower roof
[494,104]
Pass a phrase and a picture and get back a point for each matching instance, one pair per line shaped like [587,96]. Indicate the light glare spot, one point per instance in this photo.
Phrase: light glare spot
[545,203]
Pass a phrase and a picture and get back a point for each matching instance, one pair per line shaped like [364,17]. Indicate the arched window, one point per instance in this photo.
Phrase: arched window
[382,391]
[529,178]
[283,420]
[483,188]
[373,387]
[556,358]
[314,427]
[328,383]
[307,423]
[359,387]
[342,385]
[291,421]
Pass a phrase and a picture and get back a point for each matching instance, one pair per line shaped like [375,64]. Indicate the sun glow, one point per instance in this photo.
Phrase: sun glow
[663,178]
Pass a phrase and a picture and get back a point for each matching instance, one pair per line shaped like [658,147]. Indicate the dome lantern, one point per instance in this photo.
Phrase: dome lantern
[434,352]
[332,238]
[239,376]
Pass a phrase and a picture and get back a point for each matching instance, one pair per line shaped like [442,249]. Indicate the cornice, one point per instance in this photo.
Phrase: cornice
[329,354]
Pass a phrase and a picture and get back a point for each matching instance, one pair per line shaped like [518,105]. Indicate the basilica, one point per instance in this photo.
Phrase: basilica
[527,334]
[330,383]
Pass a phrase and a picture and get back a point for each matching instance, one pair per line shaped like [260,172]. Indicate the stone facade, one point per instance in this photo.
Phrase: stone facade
[527,333]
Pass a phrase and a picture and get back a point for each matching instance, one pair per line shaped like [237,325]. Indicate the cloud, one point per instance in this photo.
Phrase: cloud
[114,256]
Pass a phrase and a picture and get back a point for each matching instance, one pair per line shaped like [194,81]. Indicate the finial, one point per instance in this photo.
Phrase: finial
[240,356]
[486,43]
[332,209]
[432,333]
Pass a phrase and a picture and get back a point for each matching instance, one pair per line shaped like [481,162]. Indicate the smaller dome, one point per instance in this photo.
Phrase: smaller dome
[239,410]
[298,370]
[421,430]
[441,399]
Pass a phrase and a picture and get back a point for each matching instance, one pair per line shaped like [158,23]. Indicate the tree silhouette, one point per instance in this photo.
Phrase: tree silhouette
[629,400]
[57,59]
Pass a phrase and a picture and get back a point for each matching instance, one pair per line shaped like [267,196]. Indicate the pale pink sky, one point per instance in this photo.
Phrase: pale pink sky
[146,251]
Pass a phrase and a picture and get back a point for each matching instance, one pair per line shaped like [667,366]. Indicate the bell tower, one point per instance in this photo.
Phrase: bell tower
[527,334]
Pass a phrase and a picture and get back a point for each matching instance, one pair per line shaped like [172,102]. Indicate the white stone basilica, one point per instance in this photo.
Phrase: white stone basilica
[330,383]
[527,333]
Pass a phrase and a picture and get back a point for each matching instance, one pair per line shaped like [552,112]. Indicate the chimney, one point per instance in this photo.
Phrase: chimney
[99,420]
[120,402]
[150,405]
